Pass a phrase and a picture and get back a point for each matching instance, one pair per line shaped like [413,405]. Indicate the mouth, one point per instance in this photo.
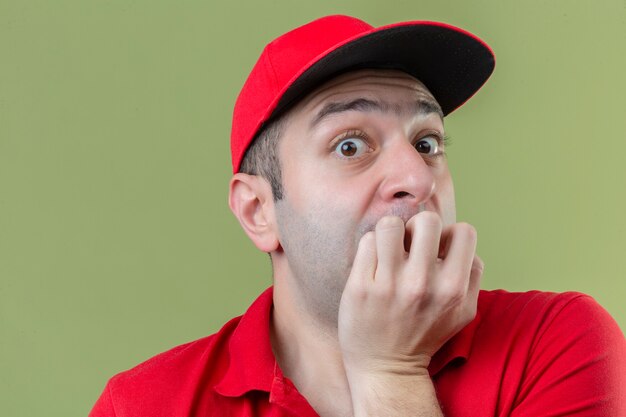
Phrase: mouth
[398,211]
[405,213]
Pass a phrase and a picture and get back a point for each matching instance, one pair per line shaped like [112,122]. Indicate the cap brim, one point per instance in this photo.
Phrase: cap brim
[452,63]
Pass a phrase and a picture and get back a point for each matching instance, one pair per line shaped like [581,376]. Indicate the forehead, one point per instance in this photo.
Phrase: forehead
[391,89]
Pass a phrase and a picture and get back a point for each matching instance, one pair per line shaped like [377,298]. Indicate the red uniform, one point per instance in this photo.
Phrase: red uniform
[525,354]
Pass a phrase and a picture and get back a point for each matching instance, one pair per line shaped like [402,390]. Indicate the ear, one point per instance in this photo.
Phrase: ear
[251,201]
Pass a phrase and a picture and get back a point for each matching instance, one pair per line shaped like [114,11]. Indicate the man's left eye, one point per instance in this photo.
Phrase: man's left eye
[428,145]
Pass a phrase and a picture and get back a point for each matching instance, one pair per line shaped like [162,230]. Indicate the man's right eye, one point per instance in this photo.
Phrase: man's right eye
[351,148]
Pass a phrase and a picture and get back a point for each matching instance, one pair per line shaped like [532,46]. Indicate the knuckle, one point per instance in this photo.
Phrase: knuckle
[383,292]
[466,230]
[454,298]
[419,292]
[453,295]
[355,287]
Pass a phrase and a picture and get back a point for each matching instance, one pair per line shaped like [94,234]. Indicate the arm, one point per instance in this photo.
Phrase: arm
[577,365]
[104,406]
[394,395]
[399,308]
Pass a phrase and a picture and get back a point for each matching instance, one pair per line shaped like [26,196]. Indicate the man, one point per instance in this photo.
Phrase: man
[338,150]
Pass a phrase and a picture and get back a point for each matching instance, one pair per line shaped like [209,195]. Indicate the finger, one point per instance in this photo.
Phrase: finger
[365,260]
[476,273]
[425,229]
[458,253]
[389,246]
[473,289]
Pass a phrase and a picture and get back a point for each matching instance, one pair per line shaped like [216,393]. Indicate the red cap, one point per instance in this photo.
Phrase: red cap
[452,63]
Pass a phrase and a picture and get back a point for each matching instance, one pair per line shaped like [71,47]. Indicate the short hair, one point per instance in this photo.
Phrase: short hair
[261,157]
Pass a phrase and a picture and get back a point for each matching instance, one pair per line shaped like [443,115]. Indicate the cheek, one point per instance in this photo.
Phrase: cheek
[448,205]
[315,234]
[344,199]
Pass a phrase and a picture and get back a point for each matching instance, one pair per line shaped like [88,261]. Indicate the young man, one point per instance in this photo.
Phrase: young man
[340,175]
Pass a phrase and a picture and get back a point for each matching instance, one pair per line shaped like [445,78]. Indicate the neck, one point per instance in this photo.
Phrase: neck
[308,353]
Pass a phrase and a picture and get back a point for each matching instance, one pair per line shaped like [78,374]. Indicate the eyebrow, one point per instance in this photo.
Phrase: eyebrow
[420,106]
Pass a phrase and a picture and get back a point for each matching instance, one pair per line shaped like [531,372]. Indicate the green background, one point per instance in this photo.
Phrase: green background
[116,241]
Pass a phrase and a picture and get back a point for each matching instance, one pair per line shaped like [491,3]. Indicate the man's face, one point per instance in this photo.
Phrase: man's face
[364,145]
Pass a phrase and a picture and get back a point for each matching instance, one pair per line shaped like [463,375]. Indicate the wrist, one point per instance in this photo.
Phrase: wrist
[386,394]
[387,367]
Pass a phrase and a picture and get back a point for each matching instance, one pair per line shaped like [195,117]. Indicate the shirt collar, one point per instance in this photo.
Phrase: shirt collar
[252,364]
[457,348]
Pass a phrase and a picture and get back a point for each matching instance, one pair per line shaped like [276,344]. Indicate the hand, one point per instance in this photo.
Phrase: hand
[398,308]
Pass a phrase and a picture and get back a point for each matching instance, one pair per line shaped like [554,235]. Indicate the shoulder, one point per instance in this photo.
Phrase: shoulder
[533,318]
[490,299]
[168,379]
[559,350]
[542,306]
[180,359]
[540,313]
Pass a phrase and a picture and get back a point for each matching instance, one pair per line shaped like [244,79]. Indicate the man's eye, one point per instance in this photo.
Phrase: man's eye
[428,145]
[350,148]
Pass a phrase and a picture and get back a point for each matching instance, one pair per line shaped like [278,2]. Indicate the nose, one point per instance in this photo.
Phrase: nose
[407,176]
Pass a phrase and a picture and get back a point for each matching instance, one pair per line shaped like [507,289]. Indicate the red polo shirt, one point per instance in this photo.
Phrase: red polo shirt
[525,354]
